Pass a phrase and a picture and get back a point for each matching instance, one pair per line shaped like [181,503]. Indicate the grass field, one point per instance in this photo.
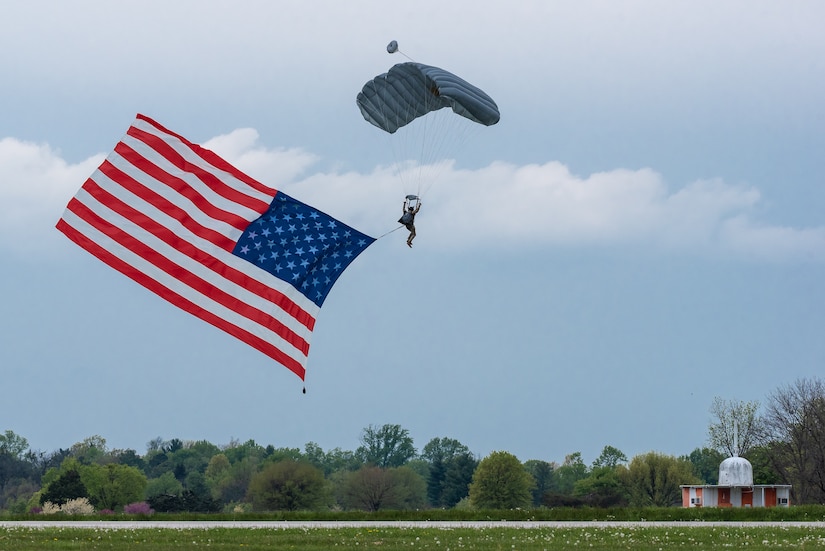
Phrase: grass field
[609,537]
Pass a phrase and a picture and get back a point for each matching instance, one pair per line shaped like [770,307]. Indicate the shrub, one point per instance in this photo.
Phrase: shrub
[139,508]
[50,508]
[78,506]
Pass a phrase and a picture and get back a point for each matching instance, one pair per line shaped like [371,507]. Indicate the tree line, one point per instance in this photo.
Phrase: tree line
[784,441]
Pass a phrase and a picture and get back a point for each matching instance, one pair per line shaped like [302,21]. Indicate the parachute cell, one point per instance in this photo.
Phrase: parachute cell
[411,90]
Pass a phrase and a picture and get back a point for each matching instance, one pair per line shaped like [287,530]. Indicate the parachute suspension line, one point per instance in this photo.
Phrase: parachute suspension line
[392,48]
[389,232]
[424,130]
[411,140]
[441,134]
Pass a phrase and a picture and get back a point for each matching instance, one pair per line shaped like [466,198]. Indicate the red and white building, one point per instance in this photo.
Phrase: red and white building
[736,489]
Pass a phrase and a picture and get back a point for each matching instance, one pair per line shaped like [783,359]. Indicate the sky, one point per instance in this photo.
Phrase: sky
[641,232]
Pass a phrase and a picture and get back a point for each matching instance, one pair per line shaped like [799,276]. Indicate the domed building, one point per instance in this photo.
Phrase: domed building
[736,489]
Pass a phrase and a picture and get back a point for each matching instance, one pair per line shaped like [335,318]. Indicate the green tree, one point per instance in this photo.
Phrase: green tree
[501,482]
[165,484]
[610,457]
[706,463]
[17,472]
[66,486]
[387,446]
[234,486]
[457,479]
[16,495]
[314,454]
[217,473]
[443,448]
[184,459]
[410,488]
[250,450]
[195,482]
[571,471]
[91,450]
[763,471]
[12,444]
[287,485]
[450,471]
[334,460]
[543,473]
[274,454]
[653,479]
[113,485]
[601,488]
[129,457]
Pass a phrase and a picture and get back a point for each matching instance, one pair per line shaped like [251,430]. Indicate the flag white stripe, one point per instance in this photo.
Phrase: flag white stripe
[195,183]
[227,258]
[179,200]
[149,269]
[191,157]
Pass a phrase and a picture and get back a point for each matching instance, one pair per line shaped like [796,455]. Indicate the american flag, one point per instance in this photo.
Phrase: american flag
[184,223]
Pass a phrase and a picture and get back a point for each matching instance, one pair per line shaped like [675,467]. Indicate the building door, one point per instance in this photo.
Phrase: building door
[770,497]
[724,497]
[747,497]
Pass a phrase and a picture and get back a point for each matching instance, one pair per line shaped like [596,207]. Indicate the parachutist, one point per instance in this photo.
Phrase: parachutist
[408,216]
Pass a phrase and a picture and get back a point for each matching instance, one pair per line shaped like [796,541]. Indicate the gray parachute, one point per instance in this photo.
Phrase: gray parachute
[411,90]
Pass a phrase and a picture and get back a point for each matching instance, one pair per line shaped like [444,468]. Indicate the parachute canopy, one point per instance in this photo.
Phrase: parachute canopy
[411,90]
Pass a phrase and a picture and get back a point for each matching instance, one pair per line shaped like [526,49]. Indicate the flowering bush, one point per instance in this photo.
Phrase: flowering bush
[79,506]
[139,508]
[50,508]
[105,512]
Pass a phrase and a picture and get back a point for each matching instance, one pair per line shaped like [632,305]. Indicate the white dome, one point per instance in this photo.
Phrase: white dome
[735,471]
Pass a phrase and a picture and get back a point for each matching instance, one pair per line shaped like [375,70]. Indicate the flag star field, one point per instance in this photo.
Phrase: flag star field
[302,246]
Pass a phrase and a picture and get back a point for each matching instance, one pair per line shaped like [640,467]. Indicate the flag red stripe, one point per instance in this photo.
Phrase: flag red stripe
[164,292]
[166,206]
[199,255]
[184,189]
[209,179]
[181,273]
[212,158]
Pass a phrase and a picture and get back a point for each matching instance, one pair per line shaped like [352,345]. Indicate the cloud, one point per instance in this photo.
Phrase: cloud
[741,235]
[501,205]
[35,185]
[241,148]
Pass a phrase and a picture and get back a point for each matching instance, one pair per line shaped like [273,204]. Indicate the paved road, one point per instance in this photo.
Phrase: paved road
[274,525]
